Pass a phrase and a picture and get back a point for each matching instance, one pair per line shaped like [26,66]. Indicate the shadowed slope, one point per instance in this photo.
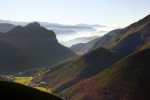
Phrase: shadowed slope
[37,73]
[16,91]
[30,47]
[128,79]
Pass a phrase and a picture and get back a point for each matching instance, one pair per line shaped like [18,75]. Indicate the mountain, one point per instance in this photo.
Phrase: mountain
[128,79]
[64,32]
[30,47]
[98,42]
[16,91]
[53,25]
[5,27]
[90,76]
[77,47]
[132,38]
[37,73]
[106,39]
[85,47]
[79,69]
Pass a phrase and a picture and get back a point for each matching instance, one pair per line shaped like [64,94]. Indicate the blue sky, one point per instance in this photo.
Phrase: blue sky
[111,13]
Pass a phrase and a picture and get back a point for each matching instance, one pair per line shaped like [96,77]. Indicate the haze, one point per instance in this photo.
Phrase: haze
[110,13]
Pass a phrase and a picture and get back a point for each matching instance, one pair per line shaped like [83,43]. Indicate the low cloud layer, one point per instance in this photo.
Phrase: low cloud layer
[71,34]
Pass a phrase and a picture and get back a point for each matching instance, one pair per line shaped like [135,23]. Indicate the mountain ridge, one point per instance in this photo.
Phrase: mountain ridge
[39,46]
[123,80]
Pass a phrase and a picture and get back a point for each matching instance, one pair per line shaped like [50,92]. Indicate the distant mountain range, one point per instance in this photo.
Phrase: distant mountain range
[5,27]
[62,31]
[79,27]
[47,24]
[120,70]
[30,47]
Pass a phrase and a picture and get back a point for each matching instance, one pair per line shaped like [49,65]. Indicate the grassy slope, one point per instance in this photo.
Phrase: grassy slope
[132,38]
[88,64]
[128,79]
[93,44]
[16,91]
[106,39]
[88,46]
[81,68]
[45,71]
[77,47]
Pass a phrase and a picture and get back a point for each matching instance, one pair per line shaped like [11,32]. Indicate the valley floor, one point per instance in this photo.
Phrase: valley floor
[26,81]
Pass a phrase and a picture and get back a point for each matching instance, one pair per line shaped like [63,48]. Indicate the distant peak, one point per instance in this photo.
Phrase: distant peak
[33,24]
[18,27]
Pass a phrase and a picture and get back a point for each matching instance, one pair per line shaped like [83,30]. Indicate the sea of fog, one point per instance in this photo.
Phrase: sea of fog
[69,37]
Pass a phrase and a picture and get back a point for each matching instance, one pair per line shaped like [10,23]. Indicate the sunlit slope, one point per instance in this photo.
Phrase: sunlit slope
[77,47]
[128,79]
[81,68]
[132,38]
[106,39]
[96,43]
[84,48]
[16,91]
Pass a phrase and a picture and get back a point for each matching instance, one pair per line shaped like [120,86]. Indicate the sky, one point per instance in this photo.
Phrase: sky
[112,13]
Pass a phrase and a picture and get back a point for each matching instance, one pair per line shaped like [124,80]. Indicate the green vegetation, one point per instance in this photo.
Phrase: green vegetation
[77,47]
[43,89]
[127,79]
[23,80]
[94,44]
[79,69]
[132,38]
[99,75]
[28,82]
[85,47]
[106,39]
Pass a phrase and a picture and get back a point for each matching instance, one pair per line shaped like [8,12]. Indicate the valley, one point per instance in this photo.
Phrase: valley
[112,67]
